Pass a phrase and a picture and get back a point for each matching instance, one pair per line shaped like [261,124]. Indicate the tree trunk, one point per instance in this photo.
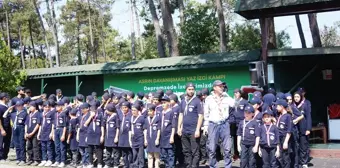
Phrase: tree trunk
[223,36]
[159,36]
[181,11]
[21,48]
[3,30]
[133,49]
[32,43]
[102,35]
[55,34]
[91,32]
[301,34]
[271,33]
[80,61]
[138,26]
[44,30]
[314,29]
[169,28]
[8,31]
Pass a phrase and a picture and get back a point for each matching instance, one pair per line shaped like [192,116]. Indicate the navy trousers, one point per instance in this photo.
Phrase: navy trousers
[60,147]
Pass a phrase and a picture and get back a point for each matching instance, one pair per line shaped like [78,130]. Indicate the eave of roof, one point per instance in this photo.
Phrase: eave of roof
[304,52]
[150,65]
[254,9]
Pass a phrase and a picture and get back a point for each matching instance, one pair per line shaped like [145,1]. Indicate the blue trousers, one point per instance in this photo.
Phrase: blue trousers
[47,149]
[5,143]
[84,155]
[247,157]
[169,157]
[20,142]
[303,149]
[127,156]
[268,158]
[217,132]
[60,147]
[138,157]
[284,159]
[295,149]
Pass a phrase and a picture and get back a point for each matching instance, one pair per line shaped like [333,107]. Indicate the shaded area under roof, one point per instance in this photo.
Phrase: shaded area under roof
[253,9]
[304,52]
[149,65]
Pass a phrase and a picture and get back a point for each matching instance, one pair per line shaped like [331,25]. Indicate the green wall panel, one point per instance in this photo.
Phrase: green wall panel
[176,80]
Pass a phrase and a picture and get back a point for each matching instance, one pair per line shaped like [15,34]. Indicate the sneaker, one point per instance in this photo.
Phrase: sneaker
[42,163]
[17,162]
[48,163]
[29,163]
[22,163]
[99,166]
[62,164]
[89,166]
[304,166]
[2,161]
[55,164]
[35,163]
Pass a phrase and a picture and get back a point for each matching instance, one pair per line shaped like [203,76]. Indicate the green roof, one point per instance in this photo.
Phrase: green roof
[253,9]
[160,64]
[304,52]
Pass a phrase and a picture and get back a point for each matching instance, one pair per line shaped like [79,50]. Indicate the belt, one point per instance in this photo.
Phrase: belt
[219,122]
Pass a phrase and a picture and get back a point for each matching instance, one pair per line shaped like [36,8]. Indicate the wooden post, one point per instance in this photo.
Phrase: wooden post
[264,46]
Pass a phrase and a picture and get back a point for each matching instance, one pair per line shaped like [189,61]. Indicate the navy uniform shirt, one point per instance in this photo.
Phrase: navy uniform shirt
[248,130]
[284,123]
[94,130]
[125,124]
[14,101]
[190,109]
[239,110]
[72,129]
[19,118]
[269,137]
[61,119]
[258,118]
[166,128]
[176,109]
[306,123]
[4,121]
[137,128]
[152,125]
[32,120]
[83,129]
[47,119]
[111,123]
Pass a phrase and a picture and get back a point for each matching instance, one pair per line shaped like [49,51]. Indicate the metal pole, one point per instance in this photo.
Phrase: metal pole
[304,78]
[77,84]
[42,87]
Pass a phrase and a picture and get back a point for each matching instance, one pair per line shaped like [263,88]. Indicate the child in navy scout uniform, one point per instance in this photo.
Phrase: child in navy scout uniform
[60,129]
[269,141]
[45,135]
[248,138]
[112,124]
[284,123]
[19,132]
[95,136]
[82,133]
[124,129]
[72,137]
[152,136]
[136,137]
[32,125]
[256,102]
[168,126]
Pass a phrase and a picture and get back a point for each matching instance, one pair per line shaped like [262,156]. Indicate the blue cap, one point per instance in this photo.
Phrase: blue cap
[26,100]
[47,103]
[268,111]
[84,106]
[288,95]
[58,91]
[39,102]
[3,95]
[111,108]
[80,97]
[94,94]
[66,100]
[140,94]
[169,92]
[131,94]
[151,107]
[137,106]
[125,103]
[257,94]
[255,100]
[271,90]
[74,112]
[60,103]
[280,95]
[249,109]
[19,88]
[301,89]
[89,98]
[32,103]
[282,102]
[190,84]
[19,103]
[165,98]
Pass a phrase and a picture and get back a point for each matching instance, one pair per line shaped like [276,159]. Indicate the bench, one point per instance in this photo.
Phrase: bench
[322,129]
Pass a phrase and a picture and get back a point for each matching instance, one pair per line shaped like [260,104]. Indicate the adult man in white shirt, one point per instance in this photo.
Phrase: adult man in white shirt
[216,116]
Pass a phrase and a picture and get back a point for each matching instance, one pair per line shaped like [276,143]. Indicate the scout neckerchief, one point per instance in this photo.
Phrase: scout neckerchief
[2,103]
[256,113]
[237,103]
[244,127]
[133,122]
[44,117]
[151,123]
[16,119]
[107,123]
[58,99]
[218,100]
[187,104]
[122,126]
[31,115]
[300,104]
[278,120]
[94,121]
[267,132]
[163,116]
[82,120]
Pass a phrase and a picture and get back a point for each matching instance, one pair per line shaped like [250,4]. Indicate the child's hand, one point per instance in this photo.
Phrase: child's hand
[68,141]
[277,154]
[62,138]
[77,138]
[145,143]
[285,146]
[38,137]
[239,148]
[157,142]
[172,140]
[255,149]
[102,139]
[179,132]
[116,140]
[260,153]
